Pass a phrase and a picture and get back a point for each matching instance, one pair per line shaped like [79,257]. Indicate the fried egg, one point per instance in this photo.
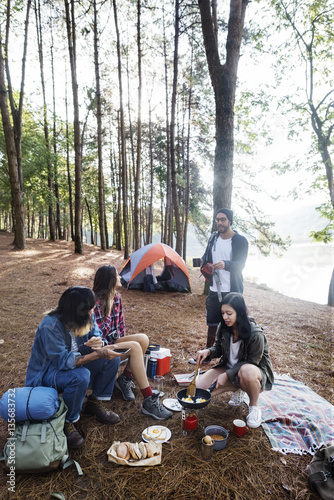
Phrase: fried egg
[188,399]
[155,433]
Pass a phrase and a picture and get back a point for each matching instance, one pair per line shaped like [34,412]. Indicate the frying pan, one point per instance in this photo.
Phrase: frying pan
[200,393]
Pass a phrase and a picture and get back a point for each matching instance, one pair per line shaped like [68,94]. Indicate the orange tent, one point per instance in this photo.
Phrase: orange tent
[174,277]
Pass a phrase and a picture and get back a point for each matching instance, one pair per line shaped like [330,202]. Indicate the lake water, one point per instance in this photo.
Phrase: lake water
[304,271]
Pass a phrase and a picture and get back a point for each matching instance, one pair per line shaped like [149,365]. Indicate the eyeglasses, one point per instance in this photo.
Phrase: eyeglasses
[221,219]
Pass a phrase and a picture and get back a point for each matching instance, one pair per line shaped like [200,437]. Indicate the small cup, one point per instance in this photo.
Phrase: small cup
[196,262]
[159,384]
[207,450]
[240,428]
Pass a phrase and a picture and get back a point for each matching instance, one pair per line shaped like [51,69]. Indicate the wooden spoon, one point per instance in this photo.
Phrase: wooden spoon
[191,391]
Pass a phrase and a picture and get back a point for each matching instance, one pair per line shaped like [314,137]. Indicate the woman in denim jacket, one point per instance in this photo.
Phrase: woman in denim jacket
[70,355]
[244,364]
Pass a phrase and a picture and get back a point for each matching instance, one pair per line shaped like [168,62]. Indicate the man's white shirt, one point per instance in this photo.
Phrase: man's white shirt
[222,251]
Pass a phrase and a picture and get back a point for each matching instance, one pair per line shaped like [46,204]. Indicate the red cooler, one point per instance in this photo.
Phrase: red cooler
[163,358]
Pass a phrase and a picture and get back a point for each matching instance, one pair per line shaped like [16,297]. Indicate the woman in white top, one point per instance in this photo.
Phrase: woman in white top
[244,364]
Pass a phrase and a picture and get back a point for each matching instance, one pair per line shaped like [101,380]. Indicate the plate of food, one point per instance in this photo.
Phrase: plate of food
[157,433]
[172,404]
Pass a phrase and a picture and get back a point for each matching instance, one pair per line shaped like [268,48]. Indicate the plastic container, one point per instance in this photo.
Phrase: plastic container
[152,368]
[219,444]
[163,358]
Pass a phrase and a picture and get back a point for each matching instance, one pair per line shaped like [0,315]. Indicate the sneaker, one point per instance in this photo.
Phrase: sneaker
[254,417]
[73,436]
[96,408]
[237,399]
[151,406]
[124,385]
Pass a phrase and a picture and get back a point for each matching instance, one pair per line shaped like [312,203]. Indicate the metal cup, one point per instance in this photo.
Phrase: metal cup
[206,450]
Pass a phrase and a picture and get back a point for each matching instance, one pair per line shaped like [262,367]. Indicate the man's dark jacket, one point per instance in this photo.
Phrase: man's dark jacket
[233,266]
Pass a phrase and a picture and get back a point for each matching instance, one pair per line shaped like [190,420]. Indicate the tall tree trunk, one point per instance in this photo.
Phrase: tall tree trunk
[149,228]
[54,142]
[17,111]
[90,222]
[167,234]
[139,127]
[122,138]
[45,120]
[178,226]
[69,180]
[187,193]
[13,135]
[223,79]
[102,220]
[71,37]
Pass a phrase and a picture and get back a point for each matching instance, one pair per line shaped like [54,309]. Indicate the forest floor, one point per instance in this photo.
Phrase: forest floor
[300,339]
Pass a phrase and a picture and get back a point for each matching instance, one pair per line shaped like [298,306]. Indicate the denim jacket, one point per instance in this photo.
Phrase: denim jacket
[51,350]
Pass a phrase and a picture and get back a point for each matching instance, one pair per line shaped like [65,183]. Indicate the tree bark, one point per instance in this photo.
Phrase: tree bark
[102,220]
[139,132]
[71,37]
[122,139]
[223,79]
[13,135]
[45,121]
[176,206]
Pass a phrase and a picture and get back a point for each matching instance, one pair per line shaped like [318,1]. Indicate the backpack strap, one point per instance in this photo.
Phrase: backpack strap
[25,430]
[43,433]
[66,461]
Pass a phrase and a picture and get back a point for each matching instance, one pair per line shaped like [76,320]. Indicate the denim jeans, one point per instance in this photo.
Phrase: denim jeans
[99,375]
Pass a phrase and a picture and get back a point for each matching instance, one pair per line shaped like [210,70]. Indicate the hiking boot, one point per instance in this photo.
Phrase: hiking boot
[151,406]
[96,408]
[237,399]
[73,436]
[125,385]
[254,417]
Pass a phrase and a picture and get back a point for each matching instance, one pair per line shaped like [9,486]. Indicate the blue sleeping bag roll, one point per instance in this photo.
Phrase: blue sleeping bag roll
[29,403]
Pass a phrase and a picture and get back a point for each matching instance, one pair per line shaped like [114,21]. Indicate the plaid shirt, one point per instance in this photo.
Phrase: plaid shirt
[115,321]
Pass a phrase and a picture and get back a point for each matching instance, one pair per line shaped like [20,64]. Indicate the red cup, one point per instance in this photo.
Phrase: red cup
[240,428]
[190,423]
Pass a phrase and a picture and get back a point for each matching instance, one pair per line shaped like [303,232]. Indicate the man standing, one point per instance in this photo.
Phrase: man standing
[224,259]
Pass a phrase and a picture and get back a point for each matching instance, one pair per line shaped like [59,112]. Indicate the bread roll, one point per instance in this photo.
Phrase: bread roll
[149,449]
[137,451]
[155,448]
[143,450]
[123,451]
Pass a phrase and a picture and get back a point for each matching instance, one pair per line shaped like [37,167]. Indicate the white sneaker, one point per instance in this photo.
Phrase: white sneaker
[254,417]
[237,399]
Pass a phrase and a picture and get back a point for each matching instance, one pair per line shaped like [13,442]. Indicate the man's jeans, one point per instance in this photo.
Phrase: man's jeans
[99,375]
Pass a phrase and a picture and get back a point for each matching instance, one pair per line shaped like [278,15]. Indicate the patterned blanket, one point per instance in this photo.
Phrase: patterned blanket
[295,419]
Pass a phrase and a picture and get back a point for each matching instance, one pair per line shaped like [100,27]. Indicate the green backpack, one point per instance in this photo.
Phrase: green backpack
[35,447]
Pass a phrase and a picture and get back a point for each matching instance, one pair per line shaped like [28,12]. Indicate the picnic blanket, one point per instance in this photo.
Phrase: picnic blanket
[295,419]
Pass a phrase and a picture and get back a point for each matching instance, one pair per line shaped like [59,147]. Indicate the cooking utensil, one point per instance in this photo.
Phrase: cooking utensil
[191,390]
[200,393]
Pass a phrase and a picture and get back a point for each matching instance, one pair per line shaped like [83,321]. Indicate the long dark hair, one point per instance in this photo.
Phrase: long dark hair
[74,306]
[104,287]
[237,302]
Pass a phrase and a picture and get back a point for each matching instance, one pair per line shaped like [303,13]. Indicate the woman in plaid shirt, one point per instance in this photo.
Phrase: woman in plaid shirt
[109,318]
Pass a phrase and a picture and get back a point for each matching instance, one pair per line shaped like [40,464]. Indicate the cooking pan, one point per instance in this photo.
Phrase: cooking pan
[200,393]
